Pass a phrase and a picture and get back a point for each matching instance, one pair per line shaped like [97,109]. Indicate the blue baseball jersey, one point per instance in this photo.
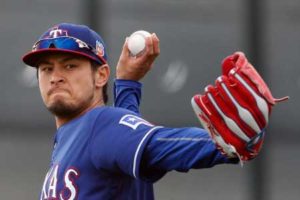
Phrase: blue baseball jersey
[97,156]
[113,154]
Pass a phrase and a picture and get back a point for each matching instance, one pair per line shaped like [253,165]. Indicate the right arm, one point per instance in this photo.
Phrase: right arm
[127,94]
[130,70]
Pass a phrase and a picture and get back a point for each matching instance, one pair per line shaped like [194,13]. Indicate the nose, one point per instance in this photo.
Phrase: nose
[56,77]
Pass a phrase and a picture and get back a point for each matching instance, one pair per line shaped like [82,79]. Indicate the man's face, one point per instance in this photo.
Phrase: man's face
[67,84]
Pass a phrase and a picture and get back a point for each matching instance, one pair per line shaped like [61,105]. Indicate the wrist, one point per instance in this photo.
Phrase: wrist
[128,83]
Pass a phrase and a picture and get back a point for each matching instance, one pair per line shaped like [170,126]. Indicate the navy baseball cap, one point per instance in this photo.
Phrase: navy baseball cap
[70,38]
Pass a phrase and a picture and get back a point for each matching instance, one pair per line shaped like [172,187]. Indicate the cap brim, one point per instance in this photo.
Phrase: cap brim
[33,57]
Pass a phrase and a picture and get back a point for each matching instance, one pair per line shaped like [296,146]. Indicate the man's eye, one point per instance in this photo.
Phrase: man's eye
[45,69]
[70,66]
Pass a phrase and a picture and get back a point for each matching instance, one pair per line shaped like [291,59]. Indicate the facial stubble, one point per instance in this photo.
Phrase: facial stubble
[63,109]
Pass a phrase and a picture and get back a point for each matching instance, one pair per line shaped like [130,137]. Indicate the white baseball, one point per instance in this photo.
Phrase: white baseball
[137,42]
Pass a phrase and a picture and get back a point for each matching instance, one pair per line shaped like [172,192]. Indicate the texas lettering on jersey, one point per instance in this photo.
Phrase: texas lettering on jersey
[83,157]
[70,189]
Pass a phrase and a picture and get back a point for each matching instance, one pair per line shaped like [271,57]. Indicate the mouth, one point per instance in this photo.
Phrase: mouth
[56,90]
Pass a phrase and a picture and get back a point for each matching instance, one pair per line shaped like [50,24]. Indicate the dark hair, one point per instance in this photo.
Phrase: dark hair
[95,66]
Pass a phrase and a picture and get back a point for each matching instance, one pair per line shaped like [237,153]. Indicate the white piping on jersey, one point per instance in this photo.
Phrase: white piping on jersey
[184,139]
[139,146]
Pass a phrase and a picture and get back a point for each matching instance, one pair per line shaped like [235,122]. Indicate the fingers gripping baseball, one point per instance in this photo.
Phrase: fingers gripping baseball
[135,67]
[152,46]
[236,110]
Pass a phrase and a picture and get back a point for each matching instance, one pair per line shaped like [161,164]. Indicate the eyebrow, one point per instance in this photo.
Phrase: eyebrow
[68,58]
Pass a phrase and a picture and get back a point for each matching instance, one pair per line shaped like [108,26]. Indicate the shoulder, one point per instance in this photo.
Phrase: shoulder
[120,118]
[115,113]
[108,112]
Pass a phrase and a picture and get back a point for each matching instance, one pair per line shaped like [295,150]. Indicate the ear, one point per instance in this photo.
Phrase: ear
[102,76]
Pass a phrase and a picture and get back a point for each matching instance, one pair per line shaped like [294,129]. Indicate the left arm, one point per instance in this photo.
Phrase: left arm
[179,149]
[148,152]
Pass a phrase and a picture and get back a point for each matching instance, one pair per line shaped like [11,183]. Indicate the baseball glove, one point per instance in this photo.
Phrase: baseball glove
[235,111]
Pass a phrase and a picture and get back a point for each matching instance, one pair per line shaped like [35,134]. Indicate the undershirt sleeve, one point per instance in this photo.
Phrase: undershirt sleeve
[127,94]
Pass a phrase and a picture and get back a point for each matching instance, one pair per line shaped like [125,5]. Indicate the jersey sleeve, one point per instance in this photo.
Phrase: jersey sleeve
[124,143]
[179,149]
[127,94]
[118,140]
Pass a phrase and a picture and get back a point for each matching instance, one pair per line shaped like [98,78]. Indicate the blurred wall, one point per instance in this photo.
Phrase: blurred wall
[195,36]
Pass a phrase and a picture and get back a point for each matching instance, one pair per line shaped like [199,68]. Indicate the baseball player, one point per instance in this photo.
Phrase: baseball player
[103,152]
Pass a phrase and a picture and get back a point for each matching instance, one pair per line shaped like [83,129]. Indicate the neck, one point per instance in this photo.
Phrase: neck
[62,120]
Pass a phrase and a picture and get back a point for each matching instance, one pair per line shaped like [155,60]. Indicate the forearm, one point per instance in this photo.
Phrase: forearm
[127,94]
[181,149]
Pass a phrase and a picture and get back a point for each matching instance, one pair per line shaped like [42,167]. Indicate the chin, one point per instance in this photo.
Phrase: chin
[62,105]
[61,108]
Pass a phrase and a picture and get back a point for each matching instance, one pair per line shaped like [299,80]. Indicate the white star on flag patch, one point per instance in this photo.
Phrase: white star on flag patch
[133,121]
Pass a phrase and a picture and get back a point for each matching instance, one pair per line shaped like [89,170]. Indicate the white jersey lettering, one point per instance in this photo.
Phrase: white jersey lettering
[70,187]
[53,183]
